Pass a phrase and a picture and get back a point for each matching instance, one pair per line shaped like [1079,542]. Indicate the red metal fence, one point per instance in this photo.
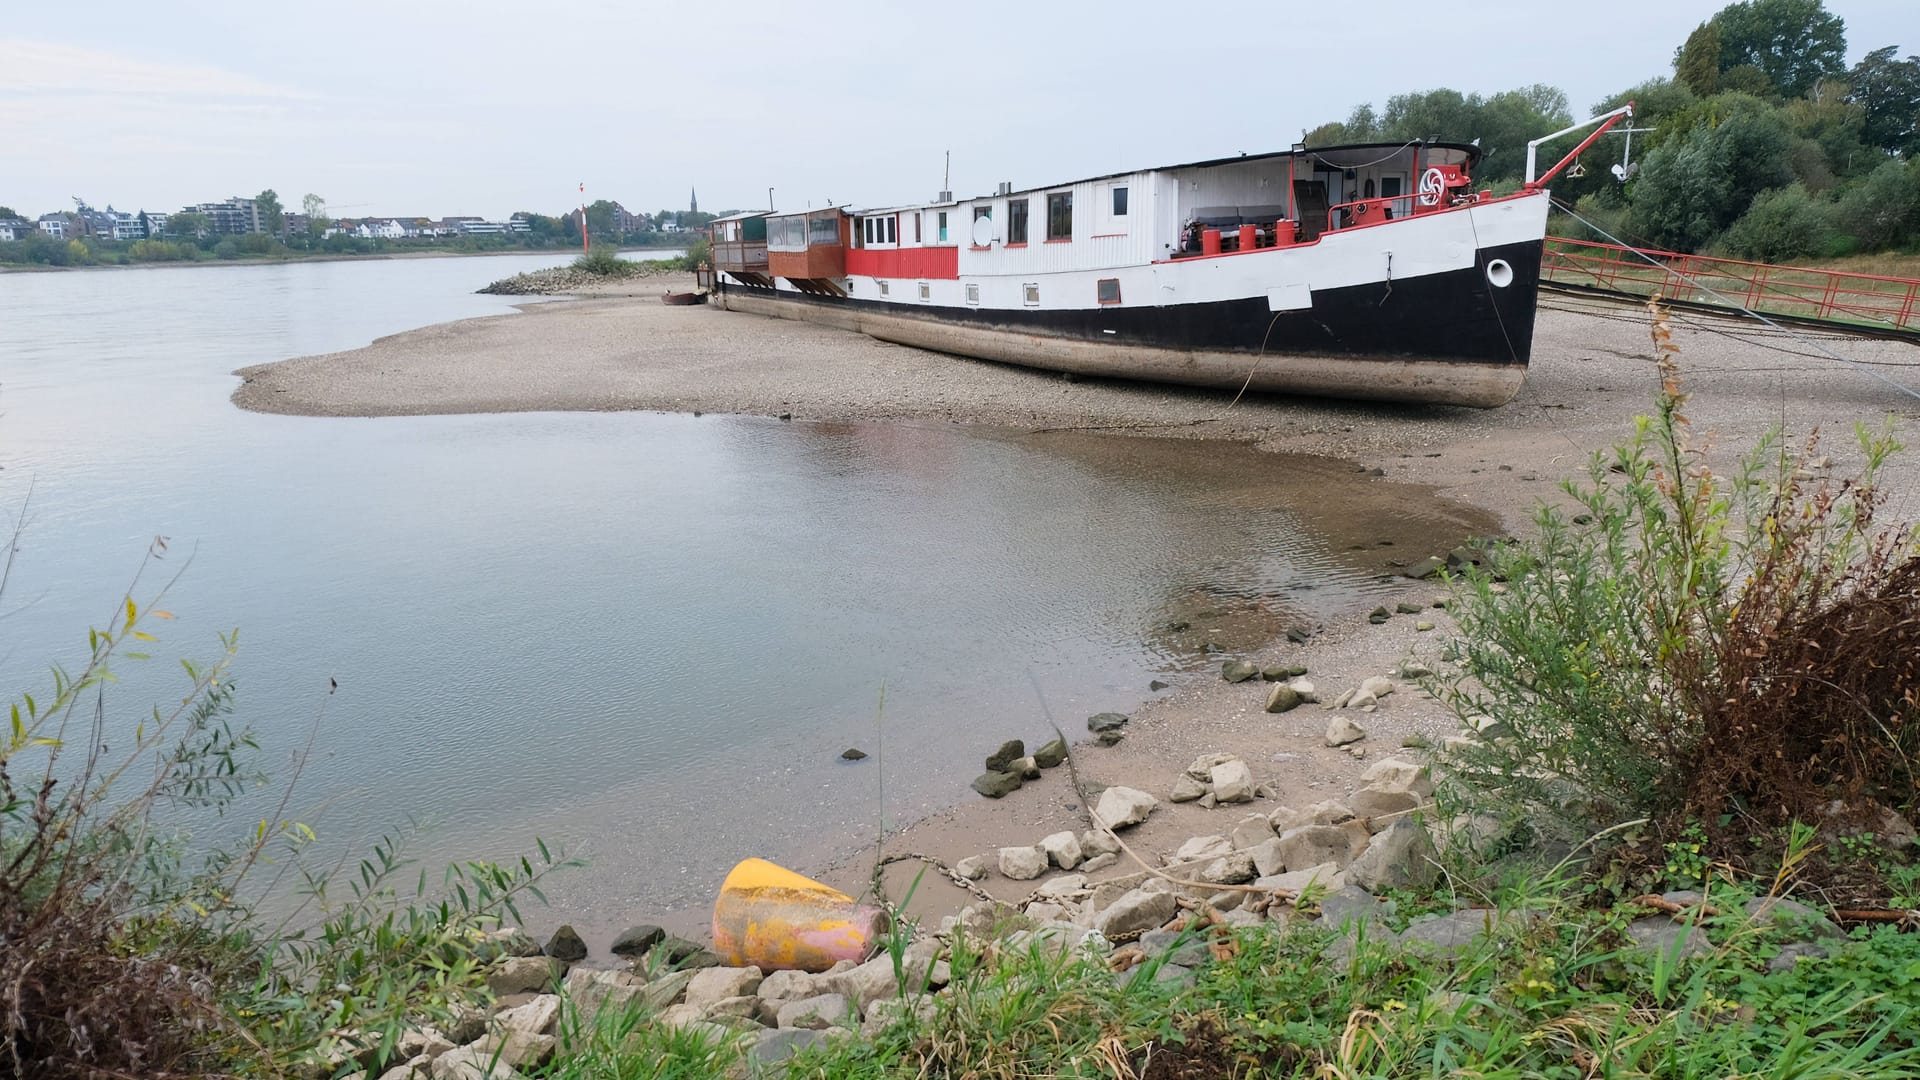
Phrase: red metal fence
[1830,295]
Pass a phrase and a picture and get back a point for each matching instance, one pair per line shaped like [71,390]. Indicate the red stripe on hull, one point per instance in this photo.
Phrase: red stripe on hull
[931,263]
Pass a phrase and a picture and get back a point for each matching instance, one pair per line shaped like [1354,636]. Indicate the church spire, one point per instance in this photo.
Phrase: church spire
[693,201]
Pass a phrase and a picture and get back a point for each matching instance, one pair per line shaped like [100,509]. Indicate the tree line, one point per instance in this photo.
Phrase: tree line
[1764,144]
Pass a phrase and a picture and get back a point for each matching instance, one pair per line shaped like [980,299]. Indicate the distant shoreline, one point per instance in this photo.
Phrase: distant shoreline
[36,268]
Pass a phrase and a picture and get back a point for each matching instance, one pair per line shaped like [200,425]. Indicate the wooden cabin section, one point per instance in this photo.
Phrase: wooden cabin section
[740,246]
[809,249]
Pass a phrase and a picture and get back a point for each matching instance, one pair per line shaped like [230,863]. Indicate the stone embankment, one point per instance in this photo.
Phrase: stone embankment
[566,280]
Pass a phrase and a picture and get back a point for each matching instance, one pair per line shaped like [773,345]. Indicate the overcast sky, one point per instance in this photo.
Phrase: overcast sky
[408,107]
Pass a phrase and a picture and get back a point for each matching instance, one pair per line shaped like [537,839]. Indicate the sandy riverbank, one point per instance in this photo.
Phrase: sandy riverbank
[622,349]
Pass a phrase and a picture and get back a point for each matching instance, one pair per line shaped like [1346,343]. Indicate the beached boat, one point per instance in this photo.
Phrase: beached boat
[1362,271]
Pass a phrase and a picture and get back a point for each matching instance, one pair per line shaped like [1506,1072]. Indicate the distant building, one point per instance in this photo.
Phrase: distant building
[12,229]
[518,223]
[478,227]
[391,229]
[54,225]
[154,224]
[234,217]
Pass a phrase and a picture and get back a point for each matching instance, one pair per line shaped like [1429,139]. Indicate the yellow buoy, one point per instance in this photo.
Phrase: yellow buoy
[772,918]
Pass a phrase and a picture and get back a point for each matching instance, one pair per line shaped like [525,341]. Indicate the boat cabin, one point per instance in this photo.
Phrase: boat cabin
[739,243]
[809,249]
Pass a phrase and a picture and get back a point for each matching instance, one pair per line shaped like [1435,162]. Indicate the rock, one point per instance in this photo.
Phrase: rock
[1299,635]
[1099,862]
[1009,751]
[1094,842]
[1356,752]
[1235,671]
[1184,949]
[1283,698]
[1348,905]
[1404,608]
[1362,702]
[1155,685]
[536,1017]
[1664,937]
[1381,614]
[429,1042]
[1398,774]
[1202,767]
[1234,869]
[1064,888]
[1379,686]
[919,1010]
[1062,850]
[1109,738]
[507,941]
[1268,856]
[1424,569]
[1052,754]
[921,969]
[853,753]
[471,1063]
[773,1047]
[1792,916]
[596,991]
[1251,831]
[1400,856]
[1792,953]
[1201,847]
[518,1049]
[1120,807]
[1106,721]
[1232,782]
[1415,741]
[1025,768]
[817,1013]
[1326,876]
[996,785]
[973,867]
[1138,910]
[717,983]
[635,940]
[1022,863]
[1374,803]
[524,974]
[1450,935]
[679,953]
[1326,812]
[566,945]
[1414,669]
[1311,845]
[782,986]
[1207,801]
[1423,625]
[1341,731]
[1274,673]
[1186,789]
[1305,689]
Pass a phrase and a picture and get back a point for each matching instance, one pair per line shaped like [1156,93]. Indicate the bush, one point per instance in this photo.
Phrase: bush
[1883,209]
[699,253]
[605,261]
[1782,225]
[120,958]
[1736,650]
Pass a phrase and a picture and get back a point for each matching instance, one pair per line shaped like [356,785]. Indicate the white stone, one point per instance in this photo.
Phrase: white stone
[1202,767]
[1120,807]
[1305,690]
[973,867]
[1399,774]
[536,1017]
[1064,887]
[712,984]
[1233,869]
[1095,842]
[1341,731]
[472,1063]
[1100,862]
[1232,781]
[1063,850]
[1311,845]
[1022,863]
[1326,876]
[789,986]
[823,1011]
[1138,910]
[1185,789]
[1268,856]
[1401,856]
[1251,831]
[1201,847]
[1379,686]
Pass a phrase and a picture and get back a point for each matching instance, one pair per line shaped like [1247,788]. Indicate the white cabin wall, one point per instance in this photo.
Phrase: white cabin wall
[1252,183]
[1085,251]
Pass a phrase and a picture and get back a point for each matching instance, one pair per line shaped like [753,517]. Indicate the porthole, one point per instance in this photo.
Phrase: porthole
[1499,273]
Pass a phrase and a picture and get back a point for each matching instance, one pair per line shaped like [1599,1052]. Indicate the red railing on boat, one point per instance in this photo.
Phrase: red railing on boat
[1800,292]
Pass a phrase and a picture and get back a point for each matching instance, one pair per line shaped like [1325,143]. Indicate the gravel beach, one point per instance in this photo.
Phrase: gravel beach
[621,349]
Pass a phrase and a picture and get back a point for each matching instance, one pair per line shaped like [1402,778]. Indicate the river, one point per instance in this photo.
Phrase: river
[643,637]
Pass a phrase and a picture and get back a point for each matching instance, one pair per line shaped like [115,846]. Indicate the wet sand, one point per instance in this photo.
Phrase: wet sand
[622,349]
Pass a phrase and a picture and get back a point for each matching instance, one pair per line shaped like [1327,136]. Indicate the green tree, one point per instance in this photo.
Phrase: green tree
[315,208]
[1883,209]
[1361,125]
[272,216]
[1692,186]
[9,212]
[600,219]
[188,224]
[1697,63]
[1795,42]
[1787,223]
[1887,89]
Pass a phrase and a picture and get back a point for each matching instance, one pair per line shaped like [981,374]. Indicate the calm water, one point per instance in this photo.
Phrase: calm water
[644,636]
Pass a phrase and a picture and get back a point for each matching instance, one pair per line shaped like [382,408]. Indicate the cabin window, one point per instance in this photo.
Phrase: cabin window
[1389,187]
[883,288]
[893,229]
[1120,200]
[916,226]
[1107,290]
[926,291]
[943,226]
[1030,294]
[973,292]
[824,229]
[1060,215]
[866,230]
[1017,220]
[982,212]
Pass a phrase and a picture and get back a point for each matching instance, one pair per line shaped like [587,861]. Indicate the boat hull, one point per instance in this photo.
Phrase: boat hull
[1443,338]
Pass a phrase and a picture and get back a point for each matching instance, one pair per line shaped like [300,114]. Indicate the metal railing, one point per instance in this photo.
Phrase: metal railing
[1349,215]
[1799,292]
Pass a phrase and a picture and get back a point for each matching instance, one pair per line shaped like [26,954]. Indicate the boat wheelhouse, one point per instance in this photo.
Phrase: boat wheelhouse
[1366,271]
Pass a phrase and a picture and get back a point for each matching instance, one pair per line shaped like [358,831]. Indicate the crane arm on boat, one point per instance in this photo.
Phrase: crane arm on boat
[1605,120]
